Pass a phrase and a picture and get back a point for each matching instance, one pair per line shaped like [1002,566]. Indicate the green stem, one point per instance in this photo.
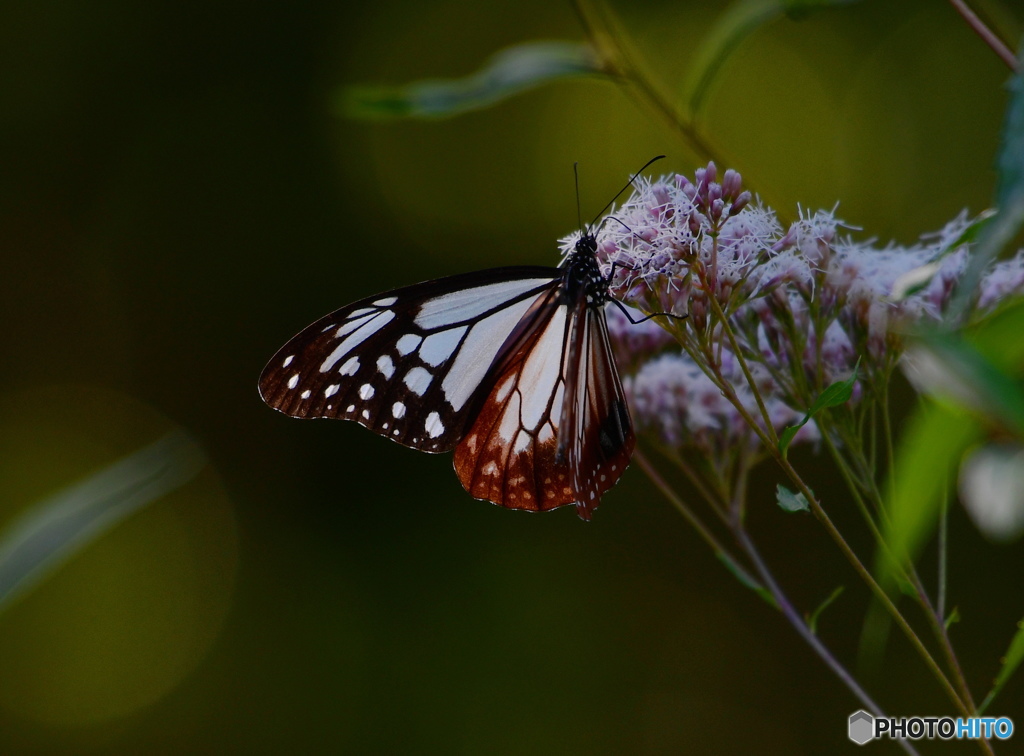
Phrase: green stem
[798,623]
[596,25]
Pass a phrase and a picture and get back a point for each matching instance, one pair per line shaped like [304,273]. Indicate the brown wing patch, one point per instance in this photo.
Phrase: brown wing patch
[508,455]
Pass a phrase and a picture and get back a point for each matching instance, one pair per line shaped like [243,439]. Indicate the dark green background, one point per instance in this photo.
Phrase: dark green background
[177,198]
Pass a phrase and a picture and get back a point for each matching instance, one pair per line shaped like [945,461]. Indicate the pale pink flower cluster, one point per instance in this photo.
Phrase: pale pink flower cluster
[803,302]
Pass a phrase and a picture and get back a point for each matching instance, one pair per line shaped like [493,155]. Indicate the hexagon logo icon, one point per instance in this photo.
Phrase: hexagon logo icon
[862,727]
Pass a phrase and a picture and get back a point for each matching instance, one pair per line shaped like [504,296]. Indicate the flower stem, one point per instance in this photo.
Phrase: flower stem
[769,428]
[987,35]
[702,530]
[798,623]
[617,62]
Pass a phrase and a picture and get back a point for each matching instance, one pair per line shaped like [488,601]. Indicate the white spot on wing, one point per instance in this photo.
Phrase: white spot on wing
[293,381]
[434,426]
[522,442]
[418,380]
[306,394]
[398,410]
[331,390]
[408,343]
[288,360]
[361,334]
[386,366]
[438,347]
[386,302]
[349,366]
[360,312]
[466,304]
[366,414]
[366,391]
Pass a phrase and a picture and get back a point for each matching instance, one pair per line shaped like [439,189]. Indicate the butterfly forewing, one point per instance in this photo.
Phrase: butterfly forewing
[408,364]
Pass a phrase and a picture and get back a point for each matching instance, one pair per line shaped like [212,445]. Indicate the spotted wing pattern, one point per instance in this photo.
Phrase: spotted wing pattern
[554,429]
[408,364]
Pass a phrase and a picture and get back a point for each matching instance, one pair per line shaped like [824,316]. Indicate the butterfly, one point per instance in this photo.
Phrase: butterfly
[511,367]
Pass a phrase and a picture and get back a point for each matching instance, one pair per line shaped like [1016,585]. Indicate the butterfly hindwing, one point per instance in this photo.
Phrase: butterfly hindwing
[604,441]
[508,454]
[555,428]
[407,363]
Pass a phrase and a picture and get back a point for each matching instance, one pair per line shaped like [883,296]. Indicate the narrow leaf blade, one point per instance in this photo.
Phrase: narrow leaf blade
[1014,656]
[509,72]
[56,528]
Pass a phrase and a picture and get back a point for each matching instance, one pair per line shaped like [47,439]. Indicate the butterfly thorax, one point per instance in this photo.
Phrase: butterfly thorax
[583,279]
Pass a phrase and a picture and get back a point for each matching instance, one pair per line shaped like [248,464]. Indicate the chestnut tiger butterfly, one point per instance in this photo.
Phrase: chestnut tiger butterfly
[511,367]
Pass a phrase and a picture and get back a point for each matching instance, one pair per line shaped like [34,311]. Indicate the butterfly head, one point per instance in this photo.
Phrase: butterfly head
[586,245]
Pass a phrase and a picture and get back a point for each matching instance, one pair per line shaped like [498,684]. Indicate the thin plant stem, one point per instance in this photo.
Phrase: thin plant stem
[769,428]
[940,600]
[935,620]
[876,589]
[798,623]
[713,500]
[708,537]
[618,63]
[987,35]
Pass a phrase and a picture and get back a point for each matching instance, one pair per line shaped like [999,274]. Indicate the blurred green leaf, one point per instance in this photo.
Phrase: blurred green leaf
[837,394]
[54,529]
[927,457]
[509,72]
[997,337]
[1004,226]
[948,367]
[737,23]
[790,501]
[740,574]
[812,621]
[1014,656]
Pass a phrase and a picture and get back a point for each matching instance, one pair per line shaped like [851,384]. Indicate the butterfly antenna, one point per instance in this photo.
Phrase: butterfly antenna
[628,184]
[576,175]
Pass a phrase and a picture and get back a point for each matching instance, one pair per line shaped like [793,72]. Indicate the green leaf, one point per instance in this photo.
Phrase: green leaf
[950,368]
[1009,199]
[812,621]
[737,23]
[54,529]
[953,618]
[790,501]
[997,337]
[1014,656]
[835,395]
[509,72]
[927,457]
[744,577]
